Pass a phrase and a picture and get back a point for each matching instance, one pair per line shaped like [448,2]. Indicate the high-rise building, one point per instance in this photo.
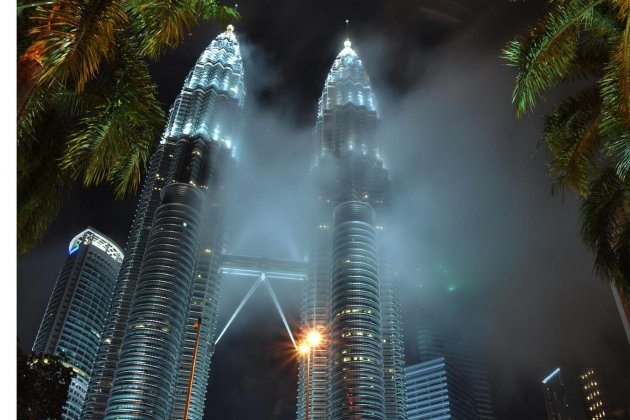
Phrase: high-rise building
[351,295]
[576,394]
[593,396]
[435,390]
[465,358]
[75,316]
[170,275]
[554,391]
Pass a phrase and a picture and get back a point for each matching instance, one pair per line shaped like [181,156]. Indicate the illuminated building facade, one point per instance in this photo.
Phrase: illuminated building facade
[75,316]
[464,359]
[170,276]
[592,394]
[435,390]
[350,294]
[554,391]
[576,394]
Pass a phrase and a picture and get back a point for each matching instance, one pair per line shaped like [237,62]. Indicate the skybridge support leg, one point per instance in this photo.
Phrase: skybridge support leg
[243,302]
[275,301]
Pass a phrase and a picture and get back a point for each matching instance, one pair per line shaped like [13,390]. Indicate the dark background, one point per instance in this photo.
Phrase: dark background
[475,213]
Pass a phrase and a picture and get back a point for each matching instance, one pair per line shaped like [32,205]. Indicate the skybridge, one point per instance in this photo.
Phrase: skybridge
[263,269]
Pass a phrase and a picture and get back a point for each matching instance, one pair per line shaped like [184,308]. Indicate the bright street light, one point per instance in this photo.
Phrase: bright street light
[314,338]
[304,349]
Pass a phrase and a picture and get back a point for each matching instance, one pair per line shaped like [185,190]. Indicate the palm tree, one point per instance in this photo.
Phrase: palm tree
[86,105]
[587,134]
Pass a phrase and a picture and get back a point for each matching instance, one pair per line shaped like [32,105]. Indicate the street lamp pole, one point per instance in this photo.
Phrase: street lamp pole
[197,325]
[313,339]
[308,381]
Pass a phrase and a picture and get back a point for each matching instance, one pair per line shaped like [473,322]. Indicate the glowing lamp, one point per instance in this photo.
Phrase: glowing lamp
[304,348]
[314,338]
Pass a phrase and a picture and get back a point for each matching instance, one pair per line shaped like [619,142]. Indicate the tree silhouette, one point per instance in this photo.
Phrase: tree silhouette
[42,385]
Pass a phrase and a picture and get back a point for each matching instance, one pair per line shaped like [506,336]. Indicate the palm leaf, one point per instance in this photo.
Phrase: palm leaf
[615,90]
[41,185]
[72,38]
[120,132]
[572,137]
[545,55]
[605,218]
[161,25]
[214,11]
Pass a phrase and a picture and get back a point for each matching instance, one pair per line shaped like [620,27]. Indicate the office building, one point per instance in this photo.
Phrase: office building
[75,316]
[593,396]
[576,394]
[463,356]
[554,391]
[435,390]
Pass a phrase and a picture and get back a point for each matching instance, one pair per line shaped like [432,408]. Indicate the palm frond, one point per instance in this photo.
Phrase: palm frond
[615,91]
[210,9]
[161,25]
[623,8]
[72,38]
[572,137]
[38,208]
[122,129]
[545,55]
[41,186]
[605,219]
[127,172]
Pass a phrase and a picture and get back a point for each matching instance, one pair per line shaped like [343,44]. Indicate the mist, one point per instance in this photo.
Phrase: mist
[480,244]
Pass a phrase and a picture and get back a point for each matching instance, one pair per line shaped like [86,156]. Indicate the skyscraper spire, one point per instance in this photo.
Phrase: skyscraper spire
[347,97]
[195,111]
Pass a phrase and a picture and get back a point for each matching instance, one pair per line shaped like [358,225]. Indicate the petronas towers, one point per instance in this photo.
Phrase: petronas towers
[350,294]
[170,277]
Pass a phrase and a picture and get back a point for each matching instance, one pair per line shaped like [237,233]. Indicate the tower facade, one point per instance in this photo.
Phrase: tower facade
[464,359]
[578,394]
[75,316]
[437,391]
[555,395]
[170,276]
[350,295]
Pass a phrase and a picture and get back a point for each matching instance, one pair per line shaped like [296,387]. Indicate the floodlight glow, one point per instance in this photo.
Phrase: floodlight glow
[551,375]
[74,249]
[304,348]
[314,338]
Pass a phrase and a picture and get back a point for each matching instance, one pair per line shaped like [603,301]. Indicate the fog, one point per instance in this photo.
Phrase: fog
[481,245]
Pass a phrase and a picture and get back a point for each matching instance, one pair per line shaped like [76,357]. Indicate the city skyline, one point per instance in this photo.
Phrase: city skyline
[442,267]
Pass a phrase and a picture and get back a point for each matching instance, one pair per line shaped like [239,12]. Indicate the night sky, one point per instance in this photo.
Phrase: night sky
[482,245]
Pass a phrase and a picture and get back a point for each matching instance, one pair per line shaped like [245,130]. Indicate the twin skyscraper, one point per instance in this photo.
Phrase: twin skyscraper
[171,276]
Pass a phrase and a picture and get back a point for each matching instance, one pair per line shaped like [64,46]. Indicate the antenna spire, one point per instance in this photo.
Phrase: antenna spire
[347,29]
[347,43]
